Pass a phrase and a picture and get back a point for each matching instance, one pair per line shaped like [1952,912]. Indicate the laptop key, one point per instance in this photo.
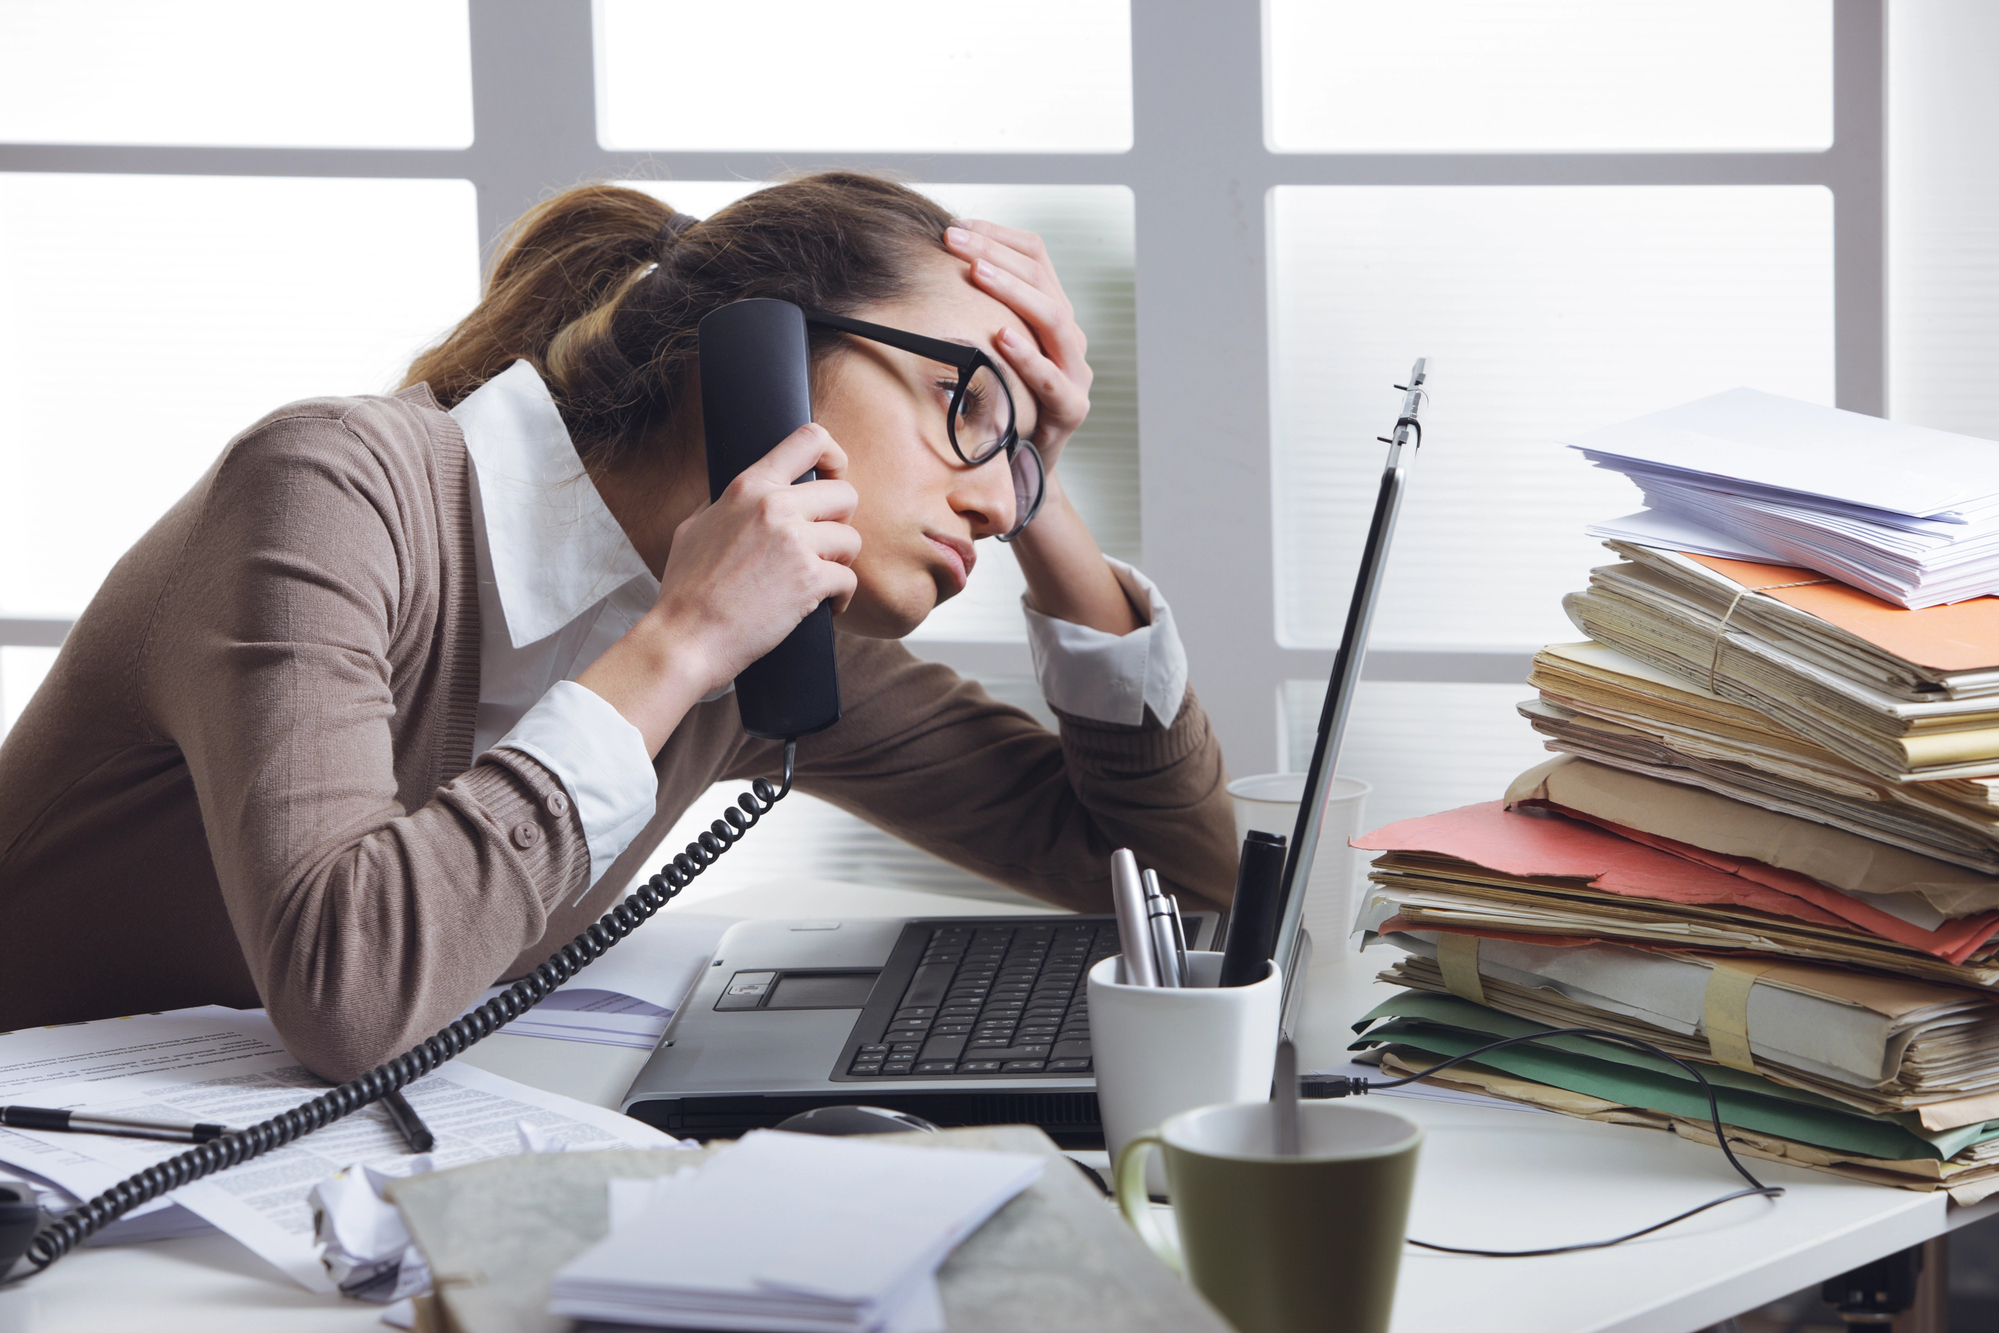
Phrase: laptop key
[896,1067]
[1022,1067]
[942,1048]
[936,1066]
[979,1066]
[1070,1050]
[1068,1066]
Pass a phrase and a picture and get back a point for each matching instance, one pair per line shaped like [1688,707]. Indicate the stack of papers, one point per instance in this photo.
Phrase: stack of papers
[1904,695]
[1605,706]
[227,1066]
[1770,844]
[792,1232]
[1908,514]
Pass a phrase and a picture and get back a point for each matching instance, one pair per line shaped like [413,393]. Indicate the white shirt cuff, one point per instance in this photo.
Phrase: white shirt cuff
[1112,677]
[601,761]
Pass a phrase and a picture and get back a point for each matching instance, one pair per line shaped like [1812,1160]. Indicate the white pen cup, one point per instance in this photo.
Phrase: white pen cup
[1161,1050]
[1269,801]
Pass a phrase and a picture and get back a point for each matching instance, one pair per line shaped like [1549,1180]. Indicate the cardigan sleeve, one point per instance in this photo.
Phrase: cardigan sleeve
[932,758]
[369,903]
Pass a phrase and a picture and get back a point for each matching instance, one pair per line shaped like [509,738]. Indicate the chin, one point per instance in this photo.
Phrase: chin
[873,615]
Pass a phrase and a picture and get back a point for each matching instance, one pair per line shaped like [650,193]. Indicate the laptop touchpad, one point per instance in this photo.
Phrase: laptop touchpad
[822,990]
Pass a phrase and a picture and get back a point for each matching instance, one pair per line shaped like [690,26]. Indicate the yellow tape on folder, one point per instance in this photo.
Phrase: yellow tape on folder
[1726,1019]
[1457,959]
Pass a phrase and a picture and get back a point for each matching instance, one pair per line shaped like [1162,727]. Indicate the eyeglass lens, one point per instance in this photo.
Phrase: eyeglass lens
[1028,482]
[984,416]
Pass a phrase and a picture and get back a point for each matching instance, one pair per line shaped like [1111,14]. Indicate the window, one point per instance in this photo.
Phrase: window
[1581,211]
[1033,76]
[357,74]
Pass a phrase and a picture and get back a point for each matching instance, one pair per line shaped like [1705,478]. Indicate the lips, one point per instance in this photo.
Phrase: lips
[958,556]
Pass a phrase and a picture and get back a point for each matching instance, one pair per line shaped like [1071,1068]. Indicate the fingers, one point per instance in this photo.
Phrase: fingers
[1025,281]
[810,446]
[1062,396]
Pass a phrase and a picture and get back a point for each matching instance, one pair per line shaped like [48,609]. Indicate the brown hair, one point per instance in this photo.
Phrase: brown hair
[575,291]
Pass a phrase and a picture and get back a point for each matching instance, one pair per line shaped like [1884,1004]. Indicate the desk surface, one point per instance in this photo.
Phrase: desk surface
[1488,1175]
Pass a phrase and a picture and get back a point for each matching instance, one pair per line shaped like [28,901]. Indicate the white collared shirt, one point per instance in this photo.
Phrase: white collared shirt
[559,583]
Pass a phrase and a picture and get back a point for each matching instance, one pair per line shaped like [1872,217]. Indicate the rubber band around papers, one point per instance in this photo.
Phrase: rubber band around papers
[1714,662]
[1457,959]
[1725,1017]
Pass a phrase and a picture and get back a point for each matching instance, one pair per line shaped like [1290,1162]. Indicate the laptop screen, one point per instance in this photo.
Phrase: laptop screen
[1304,844]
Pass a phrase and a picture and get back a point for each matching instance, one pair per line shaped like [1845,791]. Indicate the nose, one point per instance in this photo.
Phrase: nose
[984,496]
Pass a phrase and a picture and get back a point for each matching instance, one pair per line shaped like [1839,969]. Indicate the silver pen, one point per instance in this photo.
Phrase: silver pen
[1159,923]
[128,1127]
[1180,942]
[1134,936]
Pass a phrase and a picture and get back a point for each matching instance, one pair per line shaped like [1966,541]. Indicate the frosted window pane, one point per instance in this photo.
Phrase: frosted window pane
[151,318]
[1943,258]
[813,839]
[1416,76]
[1047,76]
[1545,310]
[21,672]
[1423,747]
[357,74]
[1088,230]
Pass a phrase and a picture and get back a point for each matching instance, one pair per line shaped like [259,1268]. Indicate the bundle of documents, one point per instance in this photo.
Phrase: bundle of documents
[791,1232]
[1770,843]
[1904,695]
[1908,514]
[1600,704]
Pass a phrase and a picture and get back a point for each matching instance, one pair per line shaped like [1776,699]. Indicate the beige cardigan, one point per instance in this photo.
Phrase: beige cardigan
[249,778]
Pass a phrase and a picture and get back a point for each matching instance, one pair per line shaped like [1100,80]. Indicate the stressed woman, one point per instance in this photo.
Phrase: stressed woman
[407,689]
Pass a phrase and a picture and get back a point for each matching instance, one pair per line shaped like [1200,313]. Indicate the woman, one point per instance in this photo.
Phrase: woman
[403,692]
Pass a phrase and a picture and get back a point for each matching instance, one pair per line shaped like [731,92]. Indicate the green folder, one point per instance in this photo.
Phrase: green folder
[1446,1025]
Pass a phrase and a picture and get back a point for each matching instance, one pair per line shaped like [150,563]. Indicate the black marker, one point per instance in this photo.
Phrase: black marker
[409,1123]
[1253,915]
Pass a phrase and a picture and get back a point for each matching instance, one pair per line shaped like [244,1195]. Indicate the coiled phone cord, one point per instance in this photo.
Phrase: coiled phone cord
[1339,1085]
[72,1228]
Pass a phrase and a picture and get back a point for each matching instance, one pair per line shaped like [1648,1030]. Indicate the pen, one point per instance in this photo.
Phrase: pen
[1180,942]
[82,1122]
[1159,920]
[409,1123]
[1134,930]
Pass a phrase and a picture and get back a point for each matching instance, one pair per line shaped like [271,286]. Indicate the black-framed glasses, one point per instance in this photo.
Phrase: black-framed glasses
[979,419]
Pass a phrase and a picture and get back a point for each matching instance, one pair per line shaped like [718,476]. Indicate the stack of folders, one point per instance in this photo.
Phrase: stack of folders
[1770,843]
[791,1232]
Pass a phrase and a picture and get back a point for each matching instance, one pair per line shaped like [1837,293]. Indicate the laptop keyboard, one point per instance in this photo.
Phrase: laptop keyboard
[992,999]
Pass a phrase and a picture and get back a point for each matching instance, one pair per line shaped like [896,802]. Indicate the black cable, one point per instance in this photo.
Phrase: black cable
[1337,1085]
[72,1228]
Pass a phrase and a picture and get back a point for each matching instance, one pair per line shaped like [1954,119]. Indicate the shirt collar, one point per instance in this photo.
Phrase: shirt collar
[555,548]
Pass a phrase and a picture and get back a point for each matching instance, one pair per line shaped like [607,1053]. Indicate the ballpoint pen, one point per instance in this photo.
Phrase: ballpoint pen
[1159,925]
[409,1123]
[128,1127]
[1180,942]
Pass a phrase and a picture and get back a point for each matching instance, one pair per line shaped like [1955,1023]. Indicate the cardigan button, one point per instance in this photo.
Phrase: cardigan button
[557,803]
[526,835]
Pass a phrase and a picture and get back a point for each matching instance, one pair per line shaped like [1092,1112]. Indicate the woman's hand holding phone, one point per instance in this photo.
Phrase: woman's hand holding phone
[741,574]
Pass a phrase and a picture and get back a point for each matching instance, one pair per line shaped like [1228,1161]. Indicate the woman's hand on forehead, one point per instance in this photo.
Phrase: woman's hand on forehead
[1012,267]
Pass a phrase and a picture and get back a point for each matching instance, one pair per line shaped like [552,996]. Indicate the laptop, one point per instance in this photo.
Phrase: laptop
[962,1020]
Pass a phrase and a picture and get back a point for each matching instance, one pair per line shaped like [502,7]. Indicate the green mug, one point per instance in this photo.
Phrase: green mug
[1282,1244]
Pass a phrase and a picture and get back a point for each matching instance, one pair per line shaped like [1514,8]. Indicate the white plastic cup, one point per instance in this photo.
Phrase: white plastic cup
[1161,1050]
[1269,801]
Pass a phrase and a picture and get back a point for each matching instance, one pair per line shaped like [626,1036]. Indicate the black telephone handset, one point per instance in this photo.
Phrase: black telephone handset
[756,388]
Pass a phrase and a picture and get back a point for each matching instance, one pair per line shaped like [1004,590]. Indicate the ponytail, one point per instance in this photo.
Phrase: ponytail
[602,287]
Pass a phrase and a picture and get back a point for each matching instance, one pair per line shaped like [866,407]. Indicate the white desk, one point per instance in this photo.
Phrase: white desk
[1488,1175]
